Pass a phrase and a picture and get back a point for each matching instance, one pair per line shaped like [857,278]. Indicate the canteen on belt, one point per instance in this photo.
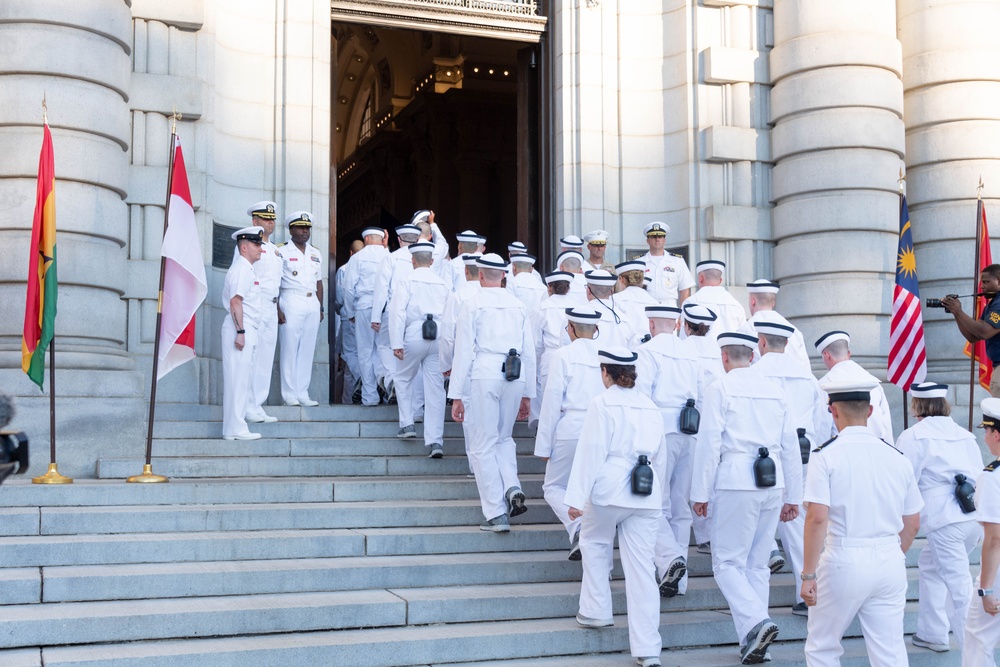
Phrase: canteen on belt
[965,493]
[804,445]
[764,473]
[429,329]
[512,366]
[690,418]
[642,477]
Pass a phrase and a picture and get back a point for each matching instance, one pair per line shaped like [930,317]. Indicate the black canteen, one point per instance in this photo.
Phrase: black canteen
[804,445]
[764,474]
[690,418]
[512,366]
[965,493]
[642,477]
[429,329]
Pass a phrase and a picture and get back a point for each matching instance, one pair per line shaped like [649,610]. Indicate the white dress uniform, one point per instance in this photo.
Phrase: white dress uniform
[548,325]
[807,404]
[621,424]
[578,287]
[670,274]
[446,343]
[574,379]
[300,273]
[667,372]
[359,287]
[414,298]
[880,421]
[615,328]
[490,324]
[868,486]
[348,340]
[796,346]
[528,288]
[728,310]
[237,365]
[268,270]
[633,300]
[394,268]
[744,411]
[982,631]
[938,449]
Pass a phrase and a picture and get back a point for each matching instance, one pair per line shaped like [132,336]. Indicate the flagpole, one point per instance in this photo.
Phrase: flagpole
[52,476]
[973,380]
[147,475]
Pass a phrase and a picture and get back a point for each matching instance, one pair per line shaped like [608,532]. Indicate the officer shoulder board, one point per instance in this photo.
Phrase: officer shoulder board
[825,444]
[674,254]
[992,465]
[283,244]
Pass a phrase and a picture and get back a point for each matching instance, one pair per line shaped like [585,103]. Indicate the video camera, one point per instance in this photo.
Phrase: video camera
[13,446]
[936,303]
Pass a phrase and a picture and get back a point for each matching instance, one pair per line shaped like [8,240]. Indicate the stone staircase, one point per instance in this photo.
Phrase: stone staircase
[327,542]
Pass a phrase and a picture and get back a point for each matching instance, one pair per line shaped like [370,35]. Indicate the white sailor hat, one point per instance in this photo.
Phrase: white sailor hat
[736,338]
[929,390]
[522,258]
[372,231]
[469,236]
[420,216]
[422,246]
[698,314]
[774,329]
[253,234]
[831,337]
[263,209]
[848,390]
[566,254]
[407,229]
[597,237]
[299,219]
[617,355]
[491,260]
[991,412]
[600,277]
[648,279]
[630,265]
[762,285]
[663,312]
[571,241]
[470,259]
[517,246]
[707,264]
[656,229]
[583,315]
[556,276]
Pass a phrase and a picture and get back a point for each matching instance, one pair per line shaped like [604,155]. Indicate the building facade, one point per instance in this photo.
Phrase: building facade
[767,133]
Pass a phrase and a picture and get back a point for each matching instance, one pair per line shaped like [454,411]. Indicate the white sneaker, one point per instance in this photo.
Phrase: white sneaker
[923,643]
[588,622]
[243,436]
[293,403]
[308,403]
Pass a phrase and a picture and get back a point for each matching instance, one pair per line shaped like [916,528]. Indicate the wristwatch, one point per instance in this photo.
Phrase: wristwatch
[983,592]
[240,331]
[807,577]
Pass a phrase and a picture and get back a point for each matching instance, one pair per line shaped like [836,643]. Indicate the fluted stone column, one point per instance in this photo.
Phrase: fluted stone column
[952,100]
[837,140]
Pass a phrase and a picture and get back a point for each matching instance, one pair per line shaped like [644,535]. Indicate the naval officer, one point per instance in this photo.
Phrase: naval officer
[301,304]
[268,270]
[671,280]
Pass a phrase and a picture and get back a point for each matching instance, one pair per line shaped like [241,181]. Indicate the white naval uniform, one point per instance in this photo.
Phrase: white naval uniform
[528,289]
[301,273]
[670,275]
[869,488]
[880,421]
[621,424]
[730,314]
[667,372]
[744,411]
[615,327]
[578,287]
[446,344]
[574,379]
[237,365]
[633,300]
[938,449]
[348,340]
[268,270]
[490,324]
[420,294]
[359,289]
[394,268]
[796,345]
[982,631]
[548,325]
[807,404]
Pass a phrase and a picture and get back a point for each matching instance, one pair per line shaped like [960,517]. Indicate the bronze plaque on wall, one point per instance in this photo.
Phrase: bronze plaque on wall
[222,245]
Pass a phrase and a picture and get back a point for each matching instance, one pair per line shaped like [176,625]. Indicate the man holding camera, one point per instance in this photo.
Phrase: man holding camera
[988,325]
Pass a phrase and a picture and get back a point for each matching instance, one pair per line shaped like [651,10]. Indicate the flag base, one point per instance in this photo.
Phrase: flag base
[147,476]
[52,477]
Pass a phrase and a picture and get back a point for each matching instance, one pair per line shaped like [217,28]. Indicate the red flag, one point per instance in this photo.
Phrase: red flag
[907,353]
[985,259]
[184,283]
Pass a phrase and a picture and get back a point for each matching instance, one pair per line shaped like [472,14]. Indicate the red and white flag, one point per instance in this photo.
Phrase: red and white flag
[184,283]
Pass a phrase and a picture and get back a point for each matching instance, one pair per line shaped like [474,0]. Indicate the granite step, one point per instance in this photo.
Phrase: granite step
[312,447]
[311,429]
[191,412]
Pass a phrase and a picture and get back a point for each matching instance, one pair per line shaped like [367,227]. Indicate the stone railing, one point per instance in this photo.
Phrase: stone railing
[511,19]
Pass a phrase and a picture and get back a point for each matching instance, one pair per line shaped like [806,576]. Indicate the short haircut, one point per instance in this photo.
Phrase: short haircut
[738,352]
[855,410]
[409,238]
[560,287]
[467,247]
[993,271]
[838,349]
[571,264]
[492,274]
[581,328]
[712,274]
[765,298]
[422,258]
[774,342]
[472,271]
[601,291]
[930,407]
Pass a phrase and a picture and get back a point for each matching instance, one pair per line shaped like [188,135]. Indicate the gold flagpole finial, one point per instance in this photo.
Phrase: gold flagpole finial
[979,189]
[174,117]
[45,110]
[902,179]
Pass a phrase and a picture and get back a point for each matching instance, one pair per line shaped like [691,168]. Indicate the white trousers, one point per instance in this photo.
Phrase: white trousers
[492,452]
[420,367]
[743,525]
[237,366]
[866,578]
[349,348]
[367,355]
[298,345]
[263,359]
[387,362]
[982,634]
[945,582]
[792,534]
[556,477]
[636,542]
[674,533]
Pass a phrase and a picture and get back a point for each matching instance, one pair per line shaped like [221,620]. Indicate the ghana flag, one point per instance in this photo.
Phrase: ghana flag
[40,306]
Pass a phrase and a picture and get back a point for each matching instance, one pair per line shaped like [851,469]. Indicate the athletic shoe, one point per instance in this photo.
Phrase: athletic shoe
[757,641]
[295,404]
[800,609]
[671,581]
[923,643]
[406,432]
[268,418]
[704,548]
[436,452]
[775,562]
[308,402]
[588,622]
[648,662]
[498,524]
[515,501]
[243,436]
[574,547]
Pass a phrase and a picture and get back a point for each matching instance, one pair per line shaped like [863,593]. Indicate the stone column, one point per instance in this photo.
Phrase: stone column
[837,141]
[952,98]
